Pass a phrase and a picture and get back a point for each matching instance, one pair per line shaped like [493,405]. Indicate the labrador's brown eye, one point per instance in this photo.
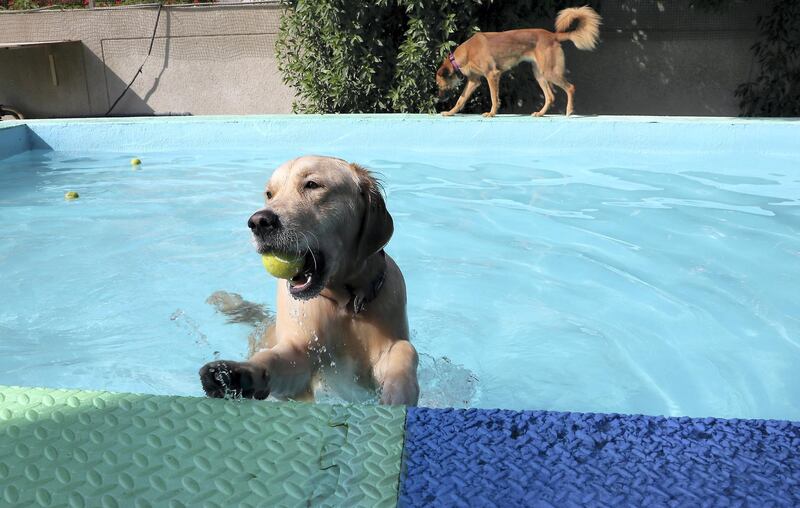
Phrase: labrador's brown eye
[269,195]
[311,184]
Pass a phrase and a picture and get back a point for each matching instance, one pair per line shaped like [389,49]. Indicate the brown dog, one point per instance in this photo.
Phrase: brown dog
[341,319]
[490,54]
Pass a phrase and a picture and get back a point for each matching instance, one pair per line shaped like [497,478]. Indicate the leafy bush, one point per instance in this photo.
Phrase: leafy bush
[367,57]
[776,90]
[337,54]
[20,5]
[431,29]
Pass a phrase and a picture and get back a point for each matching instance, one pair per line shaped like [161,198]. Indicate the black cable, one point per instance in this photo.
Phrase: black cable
[150,50]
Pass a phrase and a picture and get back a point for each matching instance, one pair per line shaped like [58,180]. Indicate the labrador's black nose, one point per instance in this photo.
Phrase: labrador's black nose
[263,220]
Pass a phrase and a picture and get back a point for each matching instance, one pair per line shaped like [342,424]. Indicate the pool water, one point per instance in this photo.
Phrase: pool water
[580,282]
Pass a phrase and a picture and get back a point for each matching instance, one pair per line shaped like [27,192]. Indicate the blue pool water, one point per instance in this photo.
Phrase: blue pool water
[580,281]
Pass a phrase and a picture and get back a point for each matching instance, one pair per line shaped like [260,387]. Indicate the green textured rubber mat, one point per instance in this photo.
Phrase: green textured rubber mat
[78,448]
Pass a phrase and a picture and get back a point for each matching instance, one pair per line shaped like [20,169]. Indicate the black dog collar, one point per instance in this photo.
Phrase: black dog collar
[360,298]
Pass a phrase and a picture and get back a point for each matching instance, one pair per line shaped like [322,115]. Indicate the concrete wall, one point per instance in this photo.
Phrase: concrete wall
[208,59]
[656,57]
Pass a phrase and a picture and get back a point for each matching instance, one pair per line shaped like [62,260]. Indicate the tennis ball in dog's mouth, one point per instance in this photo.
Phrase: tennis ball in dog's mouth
[136,161]
[282,265]
[71,195]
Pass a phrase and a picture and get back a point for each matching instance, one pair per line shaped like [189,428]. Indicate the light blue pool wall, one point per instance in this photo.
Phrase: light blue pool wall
[415,136]
[14,139]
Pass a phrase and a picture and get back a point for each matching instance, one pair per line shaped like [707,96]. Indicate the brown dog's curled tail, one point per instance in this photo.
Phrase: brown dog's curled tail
[586,33]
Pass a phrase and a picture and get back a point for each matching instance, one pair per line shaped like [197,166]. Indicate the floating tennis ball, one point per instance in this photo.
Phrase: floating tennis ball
[71,195]
[135,162]
[282,265]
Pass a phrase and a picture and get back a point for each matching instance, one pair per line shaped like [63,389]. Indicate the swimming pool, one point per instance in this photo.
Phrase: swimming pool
[589,264]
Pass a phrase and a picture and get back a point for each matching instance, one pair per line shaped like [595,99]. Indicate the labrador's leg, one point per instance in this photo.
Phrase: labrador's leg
[396,374]
[283,371]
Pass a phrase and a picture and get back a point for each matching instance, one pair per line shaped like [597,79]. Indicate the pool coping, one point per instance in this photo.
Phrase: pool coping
[515,134]
[414,117]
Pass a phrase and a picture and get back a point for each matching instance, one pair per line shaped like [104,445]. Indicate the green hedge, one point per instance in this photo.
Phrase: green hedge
[775,91]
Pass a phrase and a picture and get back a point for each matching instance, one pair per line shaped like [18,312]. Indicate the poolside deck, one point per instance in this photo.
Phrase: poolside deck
[541,458]
[78,448]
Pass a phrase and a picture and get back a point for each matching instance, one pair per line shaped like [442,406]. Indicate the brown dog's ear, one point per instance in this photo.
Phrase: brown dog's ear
[376,224]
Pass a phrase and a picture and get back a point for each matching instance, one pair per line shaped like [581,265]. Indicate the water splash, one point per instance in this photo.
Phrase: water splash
[190,326]
[223,376]
[444,383]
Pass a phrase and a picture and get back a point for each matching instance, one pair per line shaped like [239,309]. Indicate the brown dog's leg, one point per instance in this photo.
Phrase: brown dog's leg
[465,95]
[493,78]
[547,91]
[569,88]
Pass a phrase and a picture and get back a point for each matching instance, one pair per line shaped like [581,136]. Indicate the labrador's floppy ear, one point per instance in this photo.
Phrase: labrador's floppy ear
[376,224]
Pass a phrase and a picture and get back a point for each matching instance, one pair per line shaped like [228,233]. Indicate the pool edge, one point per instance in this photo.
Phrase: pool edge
[326,133]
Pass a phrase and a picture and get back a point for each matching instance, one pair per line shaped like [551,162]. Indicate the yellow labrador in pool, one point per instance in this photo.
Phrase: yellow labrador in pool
[342,319]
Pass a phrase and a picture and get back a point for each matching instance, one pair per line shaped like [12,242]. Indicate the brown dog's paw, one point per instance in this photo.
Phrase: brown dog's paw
[537,114]
[447,113]
[234,379]
[488,114]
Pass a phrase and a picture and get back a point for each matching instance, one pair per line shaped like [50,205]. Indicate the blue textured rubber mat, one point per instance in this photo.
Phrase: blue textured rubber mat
[489,458]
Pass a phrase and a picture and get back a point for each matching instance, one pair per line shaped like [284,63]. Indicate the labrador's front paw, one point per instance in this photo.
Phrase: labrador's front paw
[234,379]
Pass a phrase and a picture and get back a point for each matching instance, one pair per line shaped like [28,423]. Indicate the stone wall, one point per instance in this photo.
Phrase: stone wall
[206,59]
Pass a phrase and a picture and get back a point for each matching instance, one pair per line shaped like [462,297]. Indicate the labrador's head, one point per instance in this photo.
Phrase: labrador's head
[328,210]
